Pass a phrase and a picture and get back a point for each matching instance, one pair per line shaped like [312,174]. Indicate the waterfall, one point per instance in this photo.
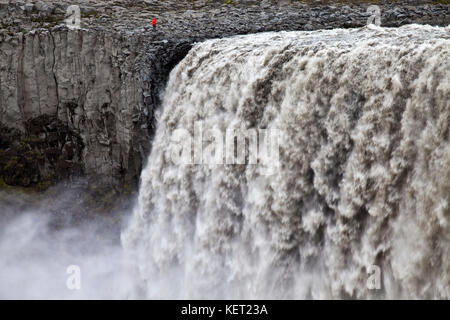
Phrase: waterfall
[362,187]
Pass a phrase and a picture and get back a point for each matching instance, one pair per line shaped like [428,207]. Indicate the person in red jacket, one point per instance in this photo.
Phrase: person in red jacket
[154,22]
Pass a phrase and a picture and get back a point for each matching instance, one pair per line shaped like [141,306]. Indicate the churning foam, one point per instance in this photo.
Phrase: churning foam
[364,176]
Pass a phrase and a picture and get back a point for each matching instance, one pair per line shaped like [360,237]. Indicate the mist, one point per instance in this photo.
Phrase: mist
[41,238]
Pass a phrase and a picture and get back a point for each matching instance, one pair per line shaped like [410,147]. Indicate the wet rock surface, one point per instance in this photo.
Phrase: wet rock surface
[91,93]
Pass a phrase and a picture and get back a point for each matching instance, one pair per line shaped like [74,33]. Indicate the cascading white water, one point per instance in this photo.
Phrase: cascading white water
[364,177]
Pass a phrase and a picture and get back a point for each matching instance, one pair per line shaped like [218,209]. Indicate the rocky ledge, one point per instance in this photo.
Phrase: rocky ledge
[81,102]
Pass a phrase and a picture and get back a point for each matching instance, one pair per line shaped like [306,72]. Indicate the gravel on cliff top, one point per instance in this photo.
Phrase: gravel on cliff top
[202,19]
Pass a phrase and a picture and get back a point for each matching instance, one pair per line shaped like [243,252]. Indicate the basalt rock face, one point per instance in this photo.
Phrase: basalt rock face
[73,98]
[81,102]
[49,151]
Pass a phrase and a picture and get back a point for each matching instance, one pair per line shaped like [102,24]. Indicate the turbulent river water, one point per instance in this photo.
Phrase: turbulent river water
[363,181]
[355,203]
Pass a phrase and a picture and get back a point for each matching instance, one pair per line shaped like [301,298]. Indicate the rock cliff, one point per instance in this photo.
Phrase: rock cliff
[81,102]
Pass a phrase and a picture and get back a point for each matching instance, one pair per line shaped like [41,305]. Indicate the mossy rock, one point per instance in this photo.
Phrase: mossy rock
[46,153]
